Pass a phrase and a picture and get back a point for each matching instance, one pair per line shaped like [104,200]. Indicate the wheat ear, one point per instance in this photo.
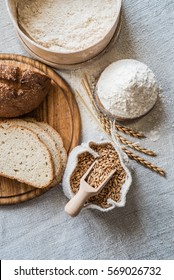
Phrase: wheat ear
[129,153]
[135,146]
[144,162]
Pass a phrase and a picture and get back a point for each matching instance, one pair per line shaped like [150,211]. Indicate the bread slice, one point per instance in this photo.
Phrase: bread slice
[57,139]
[24,157]
[46,139]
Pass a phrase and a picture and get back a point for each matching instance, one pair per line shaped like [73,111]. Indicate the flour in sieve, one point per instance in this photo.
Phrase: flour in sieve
[69,25]
[127,89]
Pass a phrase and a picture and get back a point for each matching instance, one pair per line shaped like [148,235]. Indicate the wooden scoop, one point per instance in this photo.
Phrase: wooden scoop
[74,206]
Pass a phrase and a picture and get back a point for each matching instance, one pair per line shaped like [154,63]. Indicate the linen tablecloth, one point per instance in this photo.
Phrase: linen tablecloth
[144,228]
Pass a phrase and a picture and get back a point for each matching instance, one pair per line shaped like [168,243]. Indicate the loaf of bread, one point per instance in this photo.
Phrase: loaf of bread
[24,157]
[21,91]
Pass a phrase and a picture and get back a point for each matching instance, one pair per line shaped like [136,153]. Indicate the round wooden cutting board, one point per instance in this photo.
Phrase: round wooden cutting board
[59,109]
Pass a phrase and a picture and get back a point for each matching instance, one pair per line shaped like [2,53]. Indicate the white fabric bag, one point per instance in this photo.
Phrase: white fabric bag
[72,163]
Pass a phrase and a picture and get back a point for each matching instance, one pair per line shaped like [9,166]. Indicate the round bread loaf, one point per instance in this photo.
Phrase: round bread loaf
[21,91]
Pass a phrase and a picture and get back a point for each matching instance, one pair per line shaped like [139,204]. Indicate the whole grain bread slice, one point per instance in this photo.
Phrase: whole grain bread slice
[57,139]
[24,157]
[44,137]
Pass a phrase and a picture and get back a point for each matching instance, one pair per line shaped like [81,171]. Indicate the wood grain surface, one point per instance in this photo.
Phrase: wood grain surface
[59,109]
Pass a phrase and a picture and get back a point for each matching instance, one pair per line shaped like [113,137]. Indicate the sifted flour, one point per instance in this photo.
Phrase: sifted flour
[127,89]
[69,25]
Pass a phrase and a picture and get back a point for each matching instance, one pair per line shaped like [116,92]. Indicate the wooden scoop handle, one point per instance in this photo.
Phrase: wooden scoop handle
[74,206]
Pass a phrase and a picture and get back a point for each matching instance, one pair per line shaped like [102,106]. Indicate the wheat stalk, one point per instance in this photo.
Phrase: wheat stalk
[126,130]
[135,146]
[128,152]
[144,162]
[107,128]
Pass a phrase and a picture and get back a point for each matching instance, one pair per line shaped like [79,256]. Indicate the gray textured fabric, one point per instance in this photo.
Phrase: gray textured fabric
[39,229]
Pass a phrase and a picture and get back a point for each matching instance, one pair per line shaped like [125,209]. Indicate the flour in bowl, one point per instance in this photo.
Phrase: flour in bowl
[69,25]
[127,89]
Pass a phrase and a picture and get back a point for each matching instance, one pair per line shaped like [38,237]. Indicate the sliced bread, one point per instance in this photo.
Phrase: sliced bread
[44,137]
[57,139]
[24,157]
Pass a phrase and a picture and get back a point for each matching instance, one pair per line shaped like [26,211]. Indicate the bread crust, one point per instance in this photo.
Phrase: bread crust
[21,91]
